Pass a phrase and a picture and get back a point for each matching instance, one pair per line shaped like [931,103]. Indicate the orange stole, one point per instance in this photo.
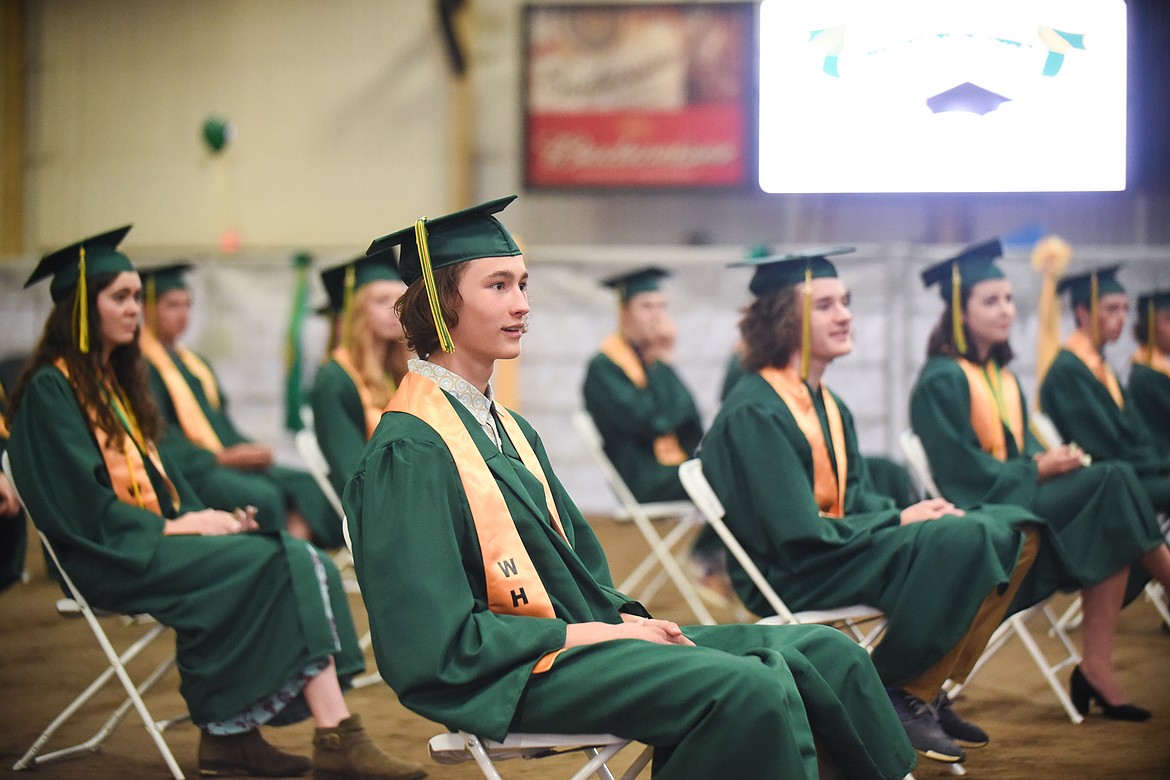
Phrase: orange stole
[513,583]
[125,465]
[1080,345]
[1149,356]
[667,449]
[987,417]
[373,412]
[828,487]
[192,420]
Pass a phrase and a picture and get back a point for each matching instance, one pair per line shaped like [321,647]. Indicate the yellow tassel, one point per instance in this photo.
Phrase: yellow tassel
[150,314]
[1094,329]
[957,334]
[424,257]
[347,311]
[806,324]
[81,308]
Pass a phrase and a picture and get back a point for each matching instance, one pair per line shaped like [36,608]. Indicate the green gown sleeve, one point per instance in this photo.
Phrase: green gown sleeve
[51,446]
[339,422]
[663,406]
[1150,392]
[940,413]
[1084,412]
[860,494]
[221,420]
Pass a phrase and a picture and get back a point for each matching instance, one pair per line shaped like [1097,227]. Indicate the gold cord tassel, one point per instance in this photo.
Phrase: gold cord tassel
[1094,328]
[957,334]
[424,257]
[81,308]
[806,324]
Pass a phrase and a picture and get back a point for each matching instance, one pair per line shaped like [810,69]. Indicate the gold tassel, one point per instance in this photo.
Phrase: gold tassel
[806,324]
[347,313]
[957,334]
[1050,257]
[150,314]
[81,308]
[1094,329]
[424,257]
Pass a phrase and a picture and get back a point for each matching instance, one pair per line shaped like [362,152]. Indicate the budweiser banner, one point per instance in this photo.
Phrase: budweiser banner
[638,95]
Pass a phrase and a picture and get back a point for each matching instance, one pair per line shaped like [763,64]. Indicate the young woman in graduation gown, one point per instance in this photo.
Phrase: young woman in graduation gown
[222,464]
[1149,376]
[782,455]
[352,388]
[969,412]
[1083,396]
[490,600]
[261,622]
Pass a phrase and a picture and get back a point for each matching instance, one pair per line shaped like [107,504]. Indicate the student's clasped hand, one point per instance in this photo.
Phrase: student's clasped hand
[1057,461]
[660,632]
[930,509]
[210,522]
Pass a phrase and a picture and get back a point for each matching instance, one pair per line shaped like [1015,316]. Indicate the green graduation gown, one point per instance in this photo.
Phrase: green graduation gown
[247,609]
[630,418]
[749,696]
[339,421]
[223,487]
[1097,520]
[761,466]
[1150,392]
[1084,412]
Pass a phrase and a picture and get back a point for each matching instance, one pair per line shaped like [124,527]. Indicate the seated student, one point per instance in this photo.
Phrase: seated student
[13,533]
[969,412]
[353,387]
[643,410]
[782,456]
[490,600]
[224,467]
[1082,395]
[1149,377]
[261,622]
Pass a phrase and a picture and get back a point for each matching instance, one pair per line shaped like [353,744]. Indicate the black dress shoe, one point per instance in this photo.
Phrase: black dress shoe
[1082,693]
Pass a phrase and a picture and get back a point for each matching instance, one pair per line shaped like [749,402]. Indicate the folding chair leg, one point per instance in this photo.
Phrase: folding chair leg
[134,698]
[481,757]
[663,553]
[1155,593]
[1047,670]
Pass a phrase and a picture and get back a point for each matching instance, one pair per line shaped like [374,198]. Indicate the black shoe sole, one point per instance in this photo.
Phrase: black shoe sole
[941,757]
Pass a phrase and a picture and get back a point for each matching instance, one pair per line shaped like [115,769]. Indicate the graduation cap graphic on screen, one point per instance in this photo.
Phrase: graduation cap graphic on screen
[967,97]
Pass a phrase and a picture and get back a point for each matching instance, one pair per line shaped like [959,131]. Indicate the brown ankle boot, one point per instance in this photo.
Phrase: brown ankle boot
[346,752]
[232,755]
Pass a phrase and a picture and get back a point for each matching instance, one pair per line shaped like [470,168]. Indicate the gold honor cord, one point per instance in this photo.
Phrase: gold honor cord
[81,308]
[1094,306]
[957,310]
[806,324]
[424,259]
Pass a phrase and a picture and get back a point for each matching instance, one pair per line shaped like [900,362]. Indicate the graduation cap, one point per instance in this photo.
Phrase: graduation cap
[342,281]
[974,264]
[445,241]
[1149,304]
[156,281]
[1086,289]
[632,283]
[71,266]
[774,272]
[967,97]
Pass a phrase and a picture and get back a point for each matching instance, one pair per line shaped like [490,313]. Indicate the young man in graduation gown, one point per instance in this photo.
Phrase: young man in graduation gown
[1082,395]
[645,414]
[1149,376]
[352,388]
[969,411]
[224,467]
[782,456]
[490,600]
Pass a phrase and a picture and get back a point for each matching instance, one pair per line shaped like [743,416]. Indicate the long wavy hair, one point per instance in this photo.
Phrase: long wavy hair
[382,377]
[86,371]
[942,340]
[414,312]
[770,329]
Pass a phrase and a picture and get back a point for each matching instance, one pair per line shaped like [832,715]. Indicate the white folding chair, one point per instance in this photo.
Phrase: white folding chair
[1016,625]
[74,606]
[459,747]
[663,549]
[849,618]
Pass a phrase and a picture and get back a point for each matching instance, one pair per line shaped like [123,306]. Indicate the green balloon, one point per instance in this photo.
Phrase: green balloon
[217,131]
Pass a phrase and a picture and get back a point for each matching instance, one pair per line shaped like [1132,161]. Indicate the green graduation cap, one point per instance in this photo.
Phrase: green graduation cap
[974,264]
[1158,300]
[342,281]
[164,278]
[787,270]
[632,283]
[1086,288]
[449,240]
[71,266]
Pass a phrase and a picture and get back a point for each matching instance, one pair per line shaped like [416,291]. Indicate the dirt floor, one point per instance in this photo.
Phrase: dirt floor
[45,660]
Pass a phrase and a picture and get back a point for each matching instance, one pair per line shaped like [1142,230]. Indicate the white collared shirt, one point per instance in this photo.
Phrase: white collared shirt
[479,404]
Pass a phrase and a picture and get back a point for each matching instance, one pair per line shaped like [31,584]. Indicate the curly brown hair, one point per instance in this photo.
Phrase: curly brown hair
[85,369]
[414,311]
[942,341]
[770,329]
